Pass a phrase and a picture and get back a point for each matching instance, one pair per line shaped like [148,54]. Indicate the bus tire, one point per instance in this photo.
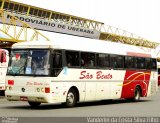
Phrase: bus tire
[71,98]
[34,104]
[137,94]
[2,93]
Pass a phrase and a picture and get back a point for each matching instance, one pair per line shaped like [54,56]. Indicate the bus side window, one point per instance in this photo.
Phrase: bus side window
[120,61]
[103,60]
[117,61]
[72,58]
[154,64]
[113,61]
[140,63]
[129,60]
[87,59]
[91,59]
[57,63]
[148,63]
[83,59]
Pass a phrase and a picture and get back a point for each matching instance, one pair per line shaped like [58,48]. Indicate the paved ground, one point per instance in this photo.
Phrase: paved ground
[149,106]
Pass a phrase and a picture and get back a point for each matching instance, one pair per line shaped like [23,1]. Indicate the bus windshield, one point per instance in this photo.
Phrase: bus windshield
[29,62]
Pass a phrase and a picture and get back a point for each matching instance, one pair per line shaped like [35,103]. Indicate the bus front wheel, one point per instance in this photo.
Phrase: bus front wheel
[71,99]
[34,104]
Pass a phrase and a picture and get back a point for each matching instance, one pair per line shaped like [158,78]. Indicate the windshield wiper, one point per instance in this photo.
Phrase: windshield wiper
[19,70]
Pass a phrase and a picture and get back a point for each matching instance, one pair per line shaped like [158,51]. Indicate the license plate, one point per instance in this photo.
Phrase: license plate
[24,98]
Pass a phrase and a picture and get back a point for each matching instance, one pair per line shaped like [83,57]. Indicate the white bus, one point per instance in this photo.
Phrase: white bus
[4,58]
[74,69]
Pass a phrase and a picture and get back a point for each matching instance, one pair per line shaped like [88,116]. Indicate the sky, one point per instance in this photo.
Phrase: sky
[140,17]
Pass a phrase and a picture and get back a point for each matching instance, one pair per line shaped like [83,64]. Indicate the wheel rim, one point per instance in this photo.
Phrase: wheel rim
[70,98]
[137,95]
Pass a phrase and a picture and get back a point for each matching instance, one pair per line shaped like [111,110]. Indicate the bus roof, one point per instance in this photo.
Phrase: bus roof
[69,42]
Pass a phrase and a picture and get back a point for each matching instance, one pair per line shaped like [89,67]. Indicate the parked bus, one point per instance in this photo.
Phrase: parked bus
[74,69]
[4,58]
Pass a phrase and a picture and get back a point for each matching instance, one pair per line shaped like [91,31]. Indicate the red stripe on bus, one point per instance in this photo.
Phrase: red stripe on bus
[132,79]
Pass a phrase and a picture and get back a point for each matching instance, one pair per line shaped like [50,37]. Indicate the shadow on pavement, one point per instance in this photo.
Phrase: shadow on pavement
[60,106]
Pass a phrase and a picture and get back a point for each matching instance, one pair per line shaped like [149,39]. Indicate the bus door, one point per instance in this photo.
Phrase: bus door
[90,91]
